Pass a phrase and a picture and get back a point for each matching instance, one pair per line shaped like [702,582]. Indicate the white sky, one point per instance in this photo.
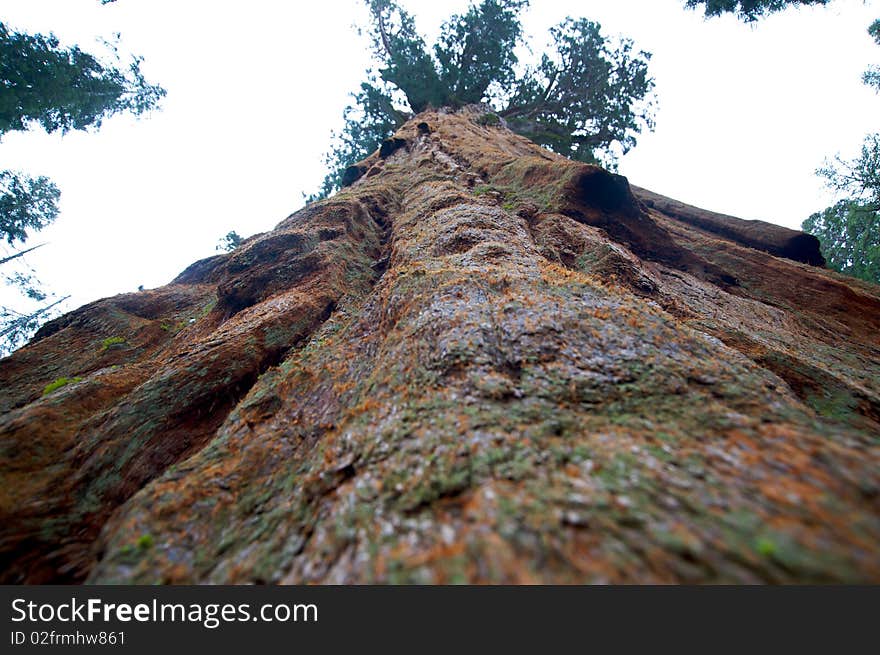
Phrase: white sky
[746,114]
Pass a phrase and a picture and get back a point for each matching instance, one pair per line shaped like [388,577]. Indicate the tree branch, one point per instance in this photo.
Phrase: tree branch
[19,254]
[380,22]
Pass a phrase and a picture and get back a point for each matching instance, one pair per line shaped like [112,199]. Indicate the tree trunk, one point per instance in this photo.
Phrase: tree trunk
[479,362]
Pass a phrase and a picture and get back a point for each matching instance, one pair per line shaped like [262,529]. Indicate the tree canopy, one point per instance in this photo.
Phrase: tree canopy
[43,84]
[748,10]
[46,85]
[26,203]
[65,89]
[849,231]
[584,96]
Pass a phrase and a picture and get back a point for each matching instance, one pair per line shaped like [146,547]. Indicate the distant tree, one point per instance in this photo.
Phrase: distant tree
[46,85]
[849,231]
[43,84]
[66,89]
[582,98]
[748,10]
[230,241]
[26,203]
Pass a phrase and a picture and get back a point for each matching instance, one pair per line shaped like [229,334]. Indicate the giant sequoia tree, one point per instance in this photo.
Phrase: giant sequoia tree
[480,361]
[583,97]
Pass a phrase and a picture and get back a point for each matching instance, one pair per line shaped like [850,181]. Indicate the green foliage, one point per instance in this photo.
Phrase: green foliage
[229,242]
[57,88]
[583,96]
[25,203]
[477,49]
[65,88]
[110,342]
[372,118]
[748,10]
[57,384]
[874,31]
[404,60]
[849,231]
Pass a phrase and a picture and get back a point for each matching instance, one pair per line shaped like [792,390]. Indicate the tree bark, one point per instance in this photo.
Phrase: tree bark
[480,362]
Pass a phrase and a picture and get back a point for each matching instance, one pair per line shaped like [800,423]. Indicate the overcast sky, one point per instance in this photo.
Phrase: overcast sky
[746,115]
